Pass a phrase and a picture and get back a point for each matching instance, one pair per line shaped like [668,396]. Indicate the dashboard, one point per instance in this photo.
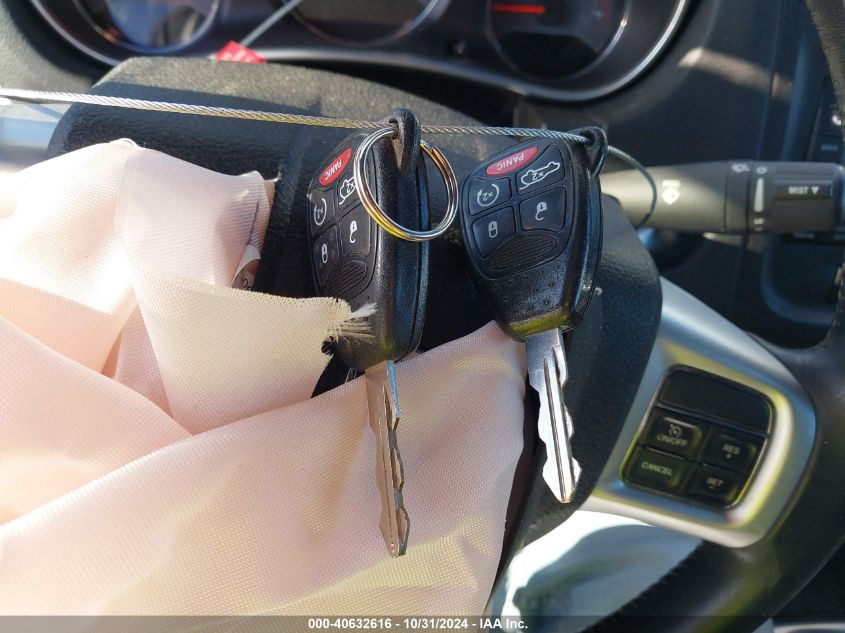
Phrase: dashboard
[559,50]
[671,81]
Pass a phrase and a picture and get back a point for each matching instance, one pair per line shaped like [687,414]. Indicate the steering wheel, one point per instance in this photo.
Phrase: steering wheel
[758,552]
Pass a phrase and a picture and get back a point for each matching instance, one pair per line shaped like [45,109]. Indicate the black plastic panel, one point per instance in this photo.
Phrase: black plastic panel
[702,440]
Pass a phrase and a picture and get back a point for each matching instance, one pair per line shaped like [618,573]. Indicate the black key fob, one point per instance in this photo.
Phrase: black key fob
[355,260]
[531,220]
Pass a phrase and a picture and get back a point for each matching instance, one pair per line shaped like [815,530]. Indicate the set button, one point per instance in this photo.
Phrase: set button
[715,486]
[702,440]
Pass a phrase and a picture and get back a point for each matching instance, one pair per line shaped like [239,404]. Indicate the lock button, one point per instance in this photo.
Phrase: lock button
[492,230]
[546,211]
[325,255]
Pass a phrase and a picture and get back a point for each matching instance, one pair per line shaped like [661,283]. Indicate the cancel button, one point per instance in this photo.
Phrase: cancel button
[668,433]
[655,470]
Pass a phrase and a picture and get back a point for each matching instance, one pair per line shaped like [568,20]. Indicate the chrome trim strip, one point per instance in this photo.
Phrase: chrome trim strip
[694,335]
[25,132]
[70,39]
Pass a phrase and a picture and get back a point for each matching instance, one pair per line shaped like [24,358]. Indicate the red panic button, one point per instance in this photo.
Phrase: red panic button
[336,167]
[514,161]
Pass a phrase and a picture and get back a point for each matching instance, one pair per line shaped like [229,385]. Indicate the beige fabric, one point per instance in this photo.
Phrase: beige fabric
[159,453]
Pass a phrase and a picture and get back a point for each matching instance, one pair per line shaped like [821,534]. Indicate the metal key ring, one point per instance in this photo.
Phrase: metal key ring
[362,188]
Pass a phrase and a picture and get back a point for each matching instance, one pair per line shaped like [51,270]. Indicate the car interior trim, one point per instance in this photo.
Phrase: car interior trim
[694,336]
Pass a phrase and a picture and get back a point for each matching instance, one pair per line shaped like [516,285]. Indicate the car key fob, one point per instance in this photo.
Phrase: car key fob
[531,217]
[357,261]
[531,220]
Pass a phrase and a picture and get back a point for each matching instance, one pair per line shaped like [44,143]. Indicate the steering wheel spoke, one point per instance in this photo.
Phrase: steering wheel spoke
[670,461]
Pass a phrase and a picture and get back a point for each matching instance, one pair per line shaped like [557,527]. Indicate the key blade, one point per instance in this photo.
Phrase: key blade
[383,405]
[547,374]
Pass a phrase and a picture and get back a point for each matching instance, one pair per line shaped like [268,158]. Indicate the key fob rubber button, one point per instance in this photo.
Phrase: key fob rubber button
[545,211]
[492,230]
[513,161]
[322,210]
[546,170]
[733,452]
[326,255]
[345,190]
[355,231]
[350,276]
[716,486]
[522,252]
[656,470]
[336,167]
[669,433]
[486,194]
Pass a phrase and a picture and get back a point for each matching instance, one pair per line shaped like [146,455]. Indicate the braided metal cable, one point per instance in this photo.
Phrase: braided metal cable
[43,96]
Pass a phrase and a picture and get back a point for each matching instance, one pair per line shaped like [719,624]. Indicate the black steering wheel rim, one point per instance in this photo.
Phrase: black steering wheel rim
[744,587]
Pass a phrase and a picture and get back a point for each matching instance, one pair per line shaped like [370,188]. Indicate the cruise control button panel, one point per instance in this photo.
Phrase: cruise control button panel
[711,447]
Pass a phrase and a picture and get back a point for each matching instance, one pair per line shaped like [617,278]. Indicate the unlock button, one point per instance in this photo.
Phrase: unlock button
[355,232]
[492,230]
[546,211]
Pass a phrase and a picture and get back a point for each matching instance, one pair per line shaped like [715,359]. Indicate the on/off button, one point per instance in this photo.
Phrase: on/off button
[668,433]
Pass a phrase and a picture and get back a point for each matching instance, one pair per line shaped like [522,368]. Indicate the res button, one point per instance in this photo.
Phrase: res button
[734,452]
[673,435]
[655,470]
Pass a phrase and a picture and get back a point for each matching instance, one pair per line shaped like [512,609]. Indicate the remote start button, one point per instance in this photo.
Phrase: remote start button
[484,194]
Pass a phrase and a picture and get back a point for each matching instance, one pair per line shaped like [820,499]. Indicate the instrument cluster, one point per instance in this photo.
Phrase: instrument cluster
[564,50]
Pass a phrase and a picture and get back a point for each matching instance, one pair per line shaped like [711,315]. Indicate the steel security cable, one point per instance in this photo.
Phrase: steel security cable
[317,121]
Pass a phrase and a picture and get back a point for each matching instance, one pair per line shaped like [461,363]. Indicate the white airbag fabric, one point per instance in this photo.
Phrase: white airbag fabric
[159,453]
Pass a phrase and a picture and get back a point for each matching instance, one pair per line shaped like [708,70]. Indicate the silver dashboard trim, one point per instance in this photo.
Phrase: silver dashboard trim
[693,335]
[70,39]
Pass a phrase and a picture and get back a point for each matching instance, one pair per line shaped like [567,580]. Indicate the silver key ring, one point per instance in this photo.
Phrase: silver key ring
[368,200]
